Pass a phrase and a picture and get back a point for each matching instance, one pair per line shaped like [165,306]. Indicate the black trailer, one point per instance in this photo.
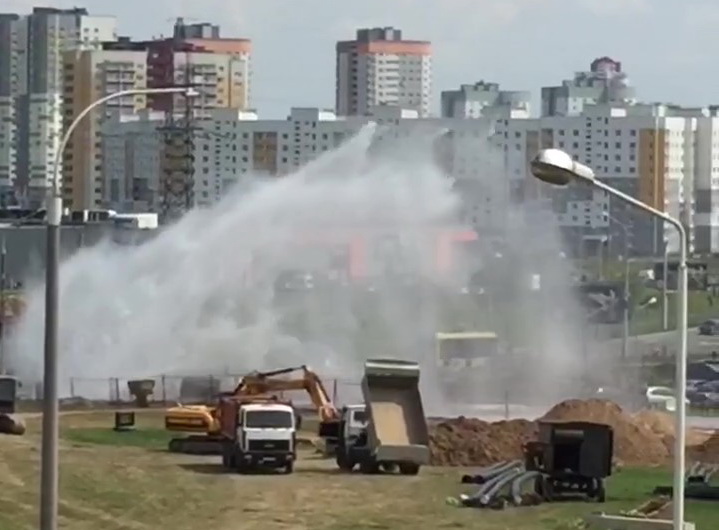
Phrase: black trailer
[573,458]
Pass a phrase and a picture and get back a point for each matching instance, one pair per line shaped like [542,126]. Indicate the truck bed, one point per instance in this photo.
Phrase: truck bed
[397,428]
[398,416]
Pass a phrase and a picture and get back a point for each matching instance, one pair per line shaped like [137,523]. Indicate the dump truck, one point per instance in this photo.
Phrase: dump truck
[9,423]
[396,434]
[203,422]
[258,433]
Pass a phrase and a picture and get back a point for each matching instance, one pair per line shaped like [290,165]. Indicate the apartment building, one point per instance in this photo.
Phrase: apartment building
[666,156]
[378,68]
[34,46]
[131,156]
[643,150]
[604,82]
[485,99]
[220,67]
[9,89]
[88,76]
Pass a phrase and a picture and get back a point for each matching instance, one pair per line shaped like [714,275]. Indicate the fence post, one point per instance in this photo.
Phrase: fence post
[117,389]
[164,390]
[72,387]
[506,404]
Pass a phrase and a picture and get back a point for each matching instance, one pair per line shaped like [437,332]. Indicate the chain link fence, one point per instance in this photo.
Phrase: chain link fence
[169,389]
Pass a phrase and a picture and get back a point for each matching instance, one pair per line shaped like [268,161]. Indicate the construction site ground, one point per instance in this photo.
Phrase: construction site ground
[119,481]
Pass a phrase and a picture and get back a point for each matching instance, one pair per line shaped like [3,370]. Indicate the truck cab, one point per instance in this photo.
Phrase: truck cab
[9,423]
[352,441]
[259,435]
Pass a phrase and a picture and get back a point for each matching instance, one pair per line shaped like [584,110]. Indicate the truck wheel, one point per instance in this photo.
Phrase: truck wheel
[600,492]
[409,469]
[369,467]
[289,468]
[343,462]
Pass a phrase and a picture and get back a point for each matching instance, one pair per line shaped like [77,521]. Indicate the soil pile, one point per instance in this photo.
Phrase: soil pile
[708,452]
[635,443]
[638,441]
[472,442]
[662,424]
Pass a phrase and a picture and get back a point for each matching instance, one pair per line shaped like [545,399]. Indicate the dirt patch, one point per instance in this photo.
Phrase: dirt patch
[472,442]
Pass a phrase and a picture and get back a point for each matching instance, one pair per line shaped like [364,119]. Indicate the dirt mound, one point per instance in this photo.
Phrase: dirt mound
[662,424]
[635,443]
[472,442]
[644,440]
[708,451]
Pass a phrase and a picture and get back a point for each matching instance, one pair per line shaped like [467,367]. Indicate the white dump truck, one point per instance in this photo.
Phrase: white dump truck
[258,434]
[395,436]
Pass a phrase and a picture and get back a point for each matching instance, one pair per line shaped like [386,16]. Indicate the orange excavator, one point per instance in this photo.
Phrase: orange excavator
[202,422]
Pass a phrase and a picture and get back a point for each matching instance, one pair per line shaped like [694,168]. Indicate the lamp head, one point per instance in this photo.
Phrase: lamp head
[191,92]
[557,167]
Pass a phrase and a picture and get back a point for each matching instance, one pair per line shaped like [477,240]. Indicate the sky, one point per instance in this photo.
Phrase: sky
[666,46]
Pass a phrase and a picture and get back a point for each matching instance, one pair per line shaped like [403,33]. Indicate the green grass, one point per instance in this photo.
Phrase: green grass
[118,481]
[145,438]
[649,320]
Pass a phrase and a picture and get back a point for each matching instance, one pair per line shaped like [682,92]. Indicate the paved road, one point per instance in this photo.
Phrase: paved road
[698,345]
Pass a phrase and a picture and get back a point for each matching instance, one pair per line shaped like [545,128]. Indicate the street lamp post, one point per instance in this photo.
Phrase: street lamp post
[625,297]
[665,295]
[557,167]
[49,455]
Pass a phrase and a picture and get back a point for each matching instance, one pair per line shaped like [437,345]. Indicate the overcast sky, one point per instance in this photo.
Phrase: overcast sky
[668,47]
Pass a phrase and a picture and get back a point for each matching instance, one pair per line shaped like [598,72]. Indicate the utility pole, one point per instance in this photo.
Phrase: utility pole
[3,300]
[665,295]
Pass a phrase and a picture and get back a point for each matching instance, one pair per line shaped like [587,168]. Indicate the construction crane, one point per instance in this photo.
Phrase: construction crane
[205,419]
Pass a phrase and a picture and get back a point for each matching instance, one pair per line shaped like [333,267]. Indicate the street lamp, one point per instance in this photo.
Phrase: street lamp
[49,473]
[557,167]
[625,298]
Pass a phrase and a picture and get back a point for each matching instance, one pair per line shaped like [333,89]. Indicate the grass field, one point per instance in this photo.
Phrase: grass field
[119,481]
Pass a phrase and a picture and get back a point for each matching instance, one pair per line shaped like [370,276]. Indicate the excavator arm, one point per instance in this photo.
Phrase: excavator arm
[260,383]
[206,419]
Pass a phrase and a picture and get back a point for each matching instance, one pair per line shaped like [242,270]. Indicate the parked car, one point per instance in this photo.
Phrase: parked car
[705,394]
[662,398]
[709,327]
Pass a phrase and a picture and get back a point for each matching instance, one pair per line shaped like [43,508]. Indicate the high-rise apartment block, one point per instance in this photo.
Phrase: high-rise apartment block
[605,82]
[89,76]
[381,68]
[32,48]
[485,100]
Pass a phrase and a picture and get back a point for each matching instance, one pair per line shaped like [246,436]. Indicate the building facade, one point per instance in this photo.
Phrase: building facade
[484,99]
[34,46]
[89,76]
[378,68]
[218,67]
[605,82]
[666,156]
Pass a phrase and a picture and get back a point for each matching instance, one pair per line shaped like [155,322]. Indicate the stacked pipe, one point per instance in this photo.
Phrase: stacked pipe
[500,485]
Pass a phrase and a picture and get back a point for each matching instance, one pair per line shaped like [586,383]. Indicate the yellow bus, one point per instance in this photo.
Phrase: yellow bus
[470,349]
